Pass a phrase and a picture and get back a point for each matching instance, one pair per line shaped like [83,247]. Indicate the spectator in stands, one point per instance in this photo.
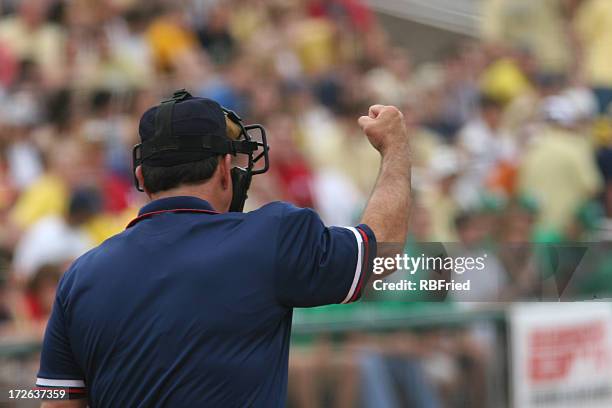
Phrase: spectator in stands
[516,249]
[40,295]
[20,114]
[215,35]
[440,198]
[593,22]
[488,284]
[391,83]
[49,194]
[539,26]
[459,94]
[30,37]
[484,146]
[559,168]
[604,161]
[292,173]
[57,239]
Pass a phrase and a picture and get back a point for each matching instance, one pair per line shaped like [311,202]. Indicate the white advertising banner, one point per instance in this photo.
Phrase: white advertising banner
[561,355]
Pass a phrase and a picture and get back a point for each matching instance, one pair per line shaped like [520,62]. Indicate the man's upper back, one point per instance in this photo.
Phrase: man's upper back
[188,307]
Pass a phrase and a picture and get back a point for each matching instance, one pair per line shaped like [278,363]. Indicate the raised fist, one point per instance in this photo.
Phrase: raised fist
[385,128]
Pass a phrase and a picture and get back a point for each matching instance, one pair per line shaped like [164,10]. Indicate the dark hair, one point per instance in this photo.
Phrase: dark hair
[486,101]
[85,202]
[100,99]
[58,107]
[463,218]
[158,179]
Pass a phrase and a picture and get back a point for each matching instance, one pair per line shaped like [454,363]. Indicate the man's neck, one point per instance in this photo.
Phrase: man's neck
[198,191]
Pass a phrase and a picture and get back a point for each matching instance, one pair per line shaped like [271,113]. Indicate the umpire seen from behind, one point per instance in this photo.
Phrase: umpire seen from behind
[191,305]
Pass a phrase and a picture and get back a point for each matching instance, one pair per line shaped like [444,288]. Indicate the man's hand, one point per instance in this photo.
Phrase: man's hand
[385,128]
[387,211]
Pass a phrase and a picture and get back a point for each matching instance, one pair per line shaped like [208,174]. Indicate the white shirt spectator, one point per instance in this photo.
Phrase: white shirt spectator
[50,241]
[24,164]
[337,199]
[483,149]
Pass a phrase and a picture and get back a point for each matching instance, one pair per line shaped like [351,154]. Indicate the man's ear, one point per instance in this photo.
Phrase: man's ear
[140,178]
[225,167]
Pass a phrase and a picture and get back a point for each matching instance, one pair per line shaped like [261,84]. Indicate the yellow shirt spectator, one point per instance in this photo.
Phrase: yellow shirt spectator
[537,25]
[103,226]
[314,44]
[46,196]
[559,171]
[442,210]
[168,41]
[594,28]
[43,44]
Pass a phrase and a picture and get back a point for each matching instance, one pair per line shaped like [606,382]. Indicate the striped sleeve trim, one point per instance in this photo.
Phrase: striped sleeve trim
[364,267]
[358,267]
[48,382]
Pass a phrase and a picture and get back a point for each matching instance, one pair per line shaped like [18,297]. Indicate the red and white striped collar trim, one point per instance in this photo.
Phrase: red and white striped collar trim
[173,204]
[176,210]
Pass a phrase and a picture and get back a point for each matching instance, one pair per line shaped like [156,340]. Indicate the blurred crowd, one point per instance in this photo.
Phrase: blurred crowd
[511,132]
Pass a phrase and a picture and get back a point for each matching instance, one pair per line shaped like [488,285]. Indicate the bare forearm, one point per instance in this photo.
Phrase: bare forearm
[387,212]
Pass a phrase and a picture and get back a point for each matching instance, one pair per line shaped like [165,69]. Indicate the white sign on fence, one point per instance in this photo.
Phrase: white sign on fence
[561,355]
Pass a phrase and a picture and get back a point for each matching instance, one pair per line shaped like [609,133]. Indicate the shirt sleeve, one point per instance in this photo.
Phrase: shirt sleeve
[58,368]
[318,265]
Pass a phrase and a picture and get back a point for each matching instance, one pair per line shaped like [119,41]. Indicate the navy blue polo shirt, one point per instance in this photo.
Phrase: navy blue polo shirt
[188,307]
